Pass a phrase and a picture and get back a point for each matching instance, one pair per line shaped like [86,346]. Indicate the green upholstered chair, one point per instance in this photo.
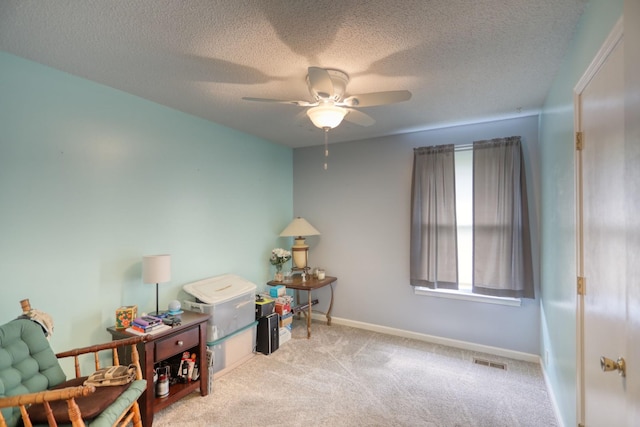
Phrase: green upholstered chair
[34,388]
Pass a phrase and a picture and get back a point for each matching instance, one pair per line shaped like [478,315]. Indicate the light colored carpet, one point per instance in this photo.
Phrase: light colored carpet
[345,376]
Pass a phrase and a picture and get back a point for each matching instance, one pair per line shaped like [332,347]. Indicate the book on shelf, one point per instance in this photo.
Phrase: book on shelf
[154,330]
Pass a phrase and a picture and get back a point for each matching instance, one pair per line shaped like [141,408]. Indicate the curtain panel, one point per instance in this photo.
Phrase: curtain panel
[502,264]
[433,247]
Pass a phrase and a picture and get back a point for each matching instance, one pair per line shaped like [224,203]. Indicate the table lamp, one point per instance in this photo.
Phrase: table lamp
[298,228]
[156,269]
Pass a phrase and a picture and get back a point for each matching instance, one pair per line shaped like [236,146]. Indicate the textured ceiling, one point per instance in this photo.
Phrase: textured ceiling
[463,60]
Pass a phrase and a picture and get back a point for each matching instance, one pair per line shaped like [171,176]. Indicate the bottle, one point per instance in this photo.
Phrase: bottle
[184,368]
[162,387]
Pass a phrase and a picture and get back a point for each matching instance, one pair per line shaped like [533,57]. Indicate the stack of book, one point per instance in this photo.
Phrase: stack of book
[147,325]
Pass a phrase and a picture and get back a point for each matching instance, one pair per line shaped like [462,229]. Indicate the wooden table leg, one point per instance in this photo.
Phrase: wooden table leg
[309,316]
[298,301]
[147,398]
[330,306]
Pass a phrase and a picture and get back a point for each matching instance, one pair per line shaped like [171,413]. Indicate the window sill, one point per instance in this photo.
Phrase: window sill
[466,296]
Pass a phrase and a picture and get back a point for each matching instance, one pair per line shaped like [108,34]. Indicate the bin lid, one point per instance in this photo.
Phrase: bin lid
[218,289]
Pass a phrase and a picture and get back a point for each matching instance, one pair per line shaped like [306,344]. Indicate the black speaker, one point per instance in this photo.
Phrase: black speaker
[268,337]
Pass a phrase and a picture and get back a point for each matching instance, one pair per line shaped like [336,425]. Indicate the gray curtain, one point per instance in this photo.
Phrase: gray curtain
[434,260]
[501,240]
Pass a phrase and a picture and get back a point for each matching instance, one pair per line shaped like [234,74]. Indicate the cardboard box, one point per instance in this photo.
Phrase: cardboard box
[125,316]
[277,291]
[285,320]
[282,309]
[285,335]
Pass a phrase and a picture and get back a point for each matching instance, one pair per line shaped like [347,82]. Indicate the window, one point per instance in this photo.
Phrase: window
[469,223]
[464,217]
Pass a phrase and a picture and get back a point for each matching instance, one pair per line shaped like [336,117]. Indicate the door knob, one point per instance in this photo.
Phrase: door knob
[613,365]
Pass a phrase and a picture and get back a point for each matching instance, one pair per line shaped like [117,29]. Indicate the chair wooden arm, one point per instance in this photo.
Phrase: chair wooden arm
[105,346]
[111,345]
[69,394]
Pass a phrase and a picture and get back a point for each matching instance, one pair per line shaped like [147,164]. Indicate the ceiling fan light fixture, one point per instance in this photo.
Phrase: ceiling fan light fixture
[326,116]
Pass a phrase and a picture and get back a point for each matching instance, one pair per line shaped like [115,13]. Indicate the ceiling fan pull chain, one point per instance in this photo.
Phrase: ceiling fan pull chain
[326,147]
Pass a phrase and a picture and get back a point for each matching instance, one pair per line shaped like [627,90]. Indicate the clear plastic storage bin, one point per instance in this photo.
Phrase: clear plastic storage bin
[230,301]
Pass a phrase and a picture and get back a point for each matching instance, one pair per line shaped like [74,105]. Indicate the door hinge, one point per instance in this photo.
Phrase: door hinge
[579,143]
[582,286]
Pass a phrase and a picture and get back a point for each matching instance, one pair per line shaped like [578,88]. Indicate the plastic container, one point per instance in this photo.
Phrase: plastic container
[233,350]
[229,299]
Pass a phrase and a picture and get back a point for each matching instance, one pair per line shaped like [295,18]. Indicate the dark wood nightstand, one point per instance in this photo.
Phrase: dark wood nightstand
[190,335]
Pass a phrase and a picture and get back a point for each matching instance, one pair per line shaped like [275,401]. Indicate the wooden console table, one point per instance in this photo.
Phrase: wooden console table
[190,335]
[308,285]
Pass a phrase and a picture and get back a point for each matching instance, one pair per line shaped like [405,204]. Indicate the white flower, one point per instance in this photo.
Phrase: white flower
[279,256]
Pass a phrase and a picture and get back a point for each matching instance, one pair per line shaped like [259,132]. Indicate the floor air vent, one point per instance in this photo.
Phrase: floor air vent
[489,363]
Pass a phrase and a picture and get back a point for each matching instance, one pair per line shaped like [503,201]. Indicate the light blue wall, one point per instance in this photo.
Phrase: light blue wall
[92,179]
[558,266]
[361,205]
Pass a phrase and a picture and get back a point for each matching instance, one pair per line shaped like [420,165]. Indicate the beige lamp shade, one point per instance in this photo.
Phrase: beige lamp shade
[156,268]
[299,228]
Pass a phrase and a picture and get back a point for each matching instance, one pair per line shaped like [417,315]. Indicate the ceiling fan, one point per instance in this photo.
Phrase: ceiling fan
[331,104]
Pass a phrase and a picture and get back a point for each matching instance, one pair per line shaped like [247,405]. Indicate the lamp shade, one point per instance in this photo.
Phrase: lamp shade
[326,116]
[299,227]
[156,268]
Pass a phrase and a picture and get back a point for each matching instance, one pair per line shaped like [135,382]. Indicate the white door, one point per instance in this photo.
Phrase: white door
[603,239]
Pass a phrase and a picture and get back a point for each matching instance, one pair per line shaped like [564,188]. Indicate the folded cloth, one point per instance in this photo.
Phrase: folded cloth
[114,375]
[42,318]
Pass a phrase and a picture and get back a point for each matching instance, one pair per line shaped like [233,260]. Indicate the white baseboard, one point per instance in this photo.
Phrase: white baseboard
[497,351]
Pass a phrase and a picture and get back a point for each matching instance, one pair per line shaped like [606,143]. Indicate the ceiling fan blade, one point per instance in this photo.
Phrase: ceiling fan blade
[377,98]
[281,101]
[359,118]
[320,82]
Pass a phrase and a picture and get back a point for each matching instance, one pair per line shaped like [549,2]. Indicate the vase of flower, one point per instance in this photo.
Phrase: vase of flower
[278,258]
[278,277]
